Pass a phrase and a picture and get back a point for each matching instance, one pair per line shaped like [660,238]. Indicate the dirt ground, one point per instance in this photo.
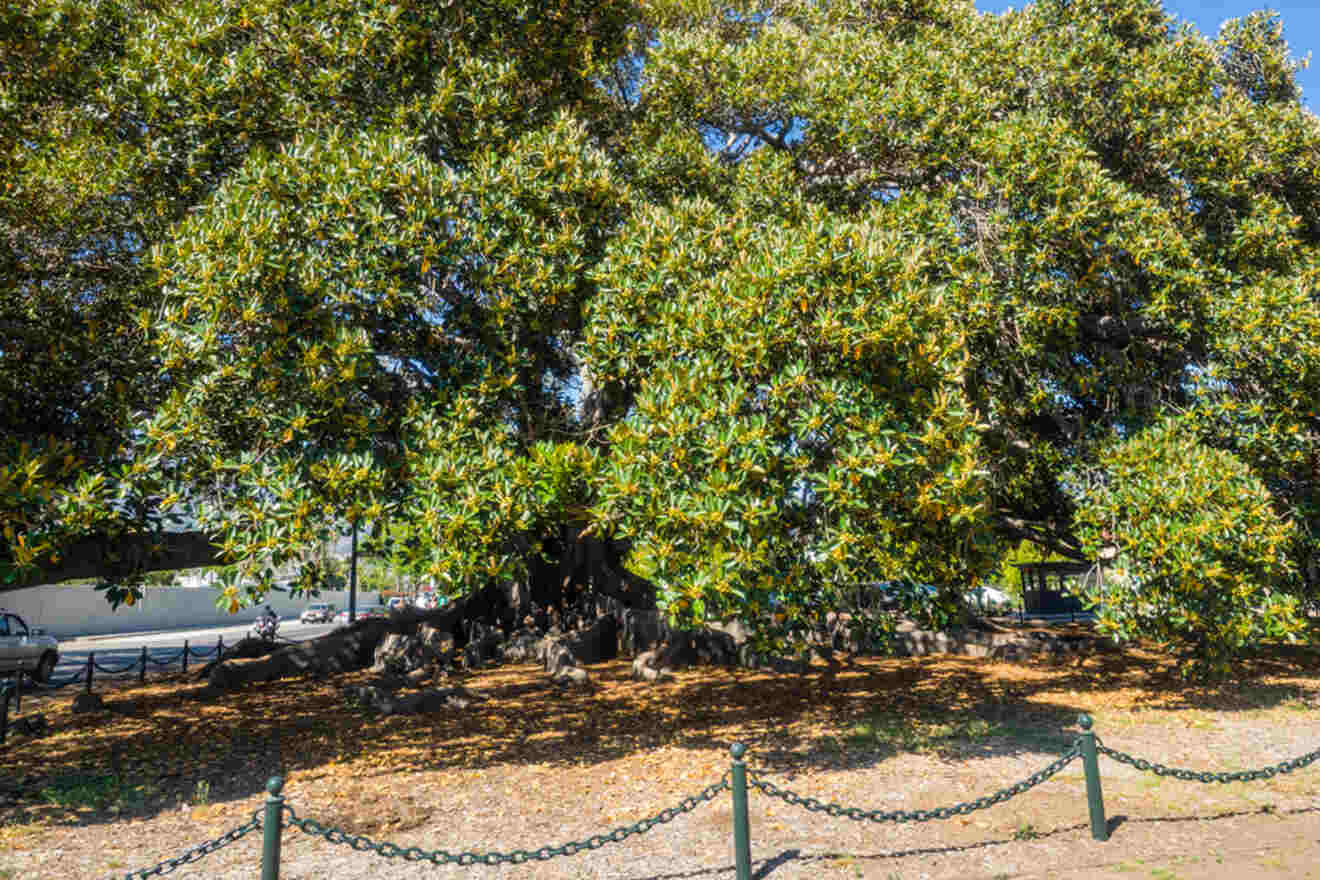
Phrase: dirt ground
[161,771]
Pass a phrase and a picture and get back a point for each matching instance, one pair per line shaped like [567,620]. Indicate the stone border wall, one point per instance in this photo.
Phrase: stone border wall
[1009,646]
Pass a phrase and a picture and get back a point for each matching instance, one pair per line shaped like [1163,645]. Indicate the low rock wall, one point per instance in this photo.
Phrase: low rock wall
[1008,646]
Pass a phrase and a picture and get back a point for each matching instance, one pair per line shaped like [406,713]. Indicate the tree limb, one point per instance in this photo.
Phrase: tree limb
[1019,528]
[109,557]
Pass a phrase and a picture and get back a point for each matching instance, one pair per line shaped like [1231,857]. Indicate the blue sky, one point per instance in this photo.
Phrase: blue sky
[1301,27]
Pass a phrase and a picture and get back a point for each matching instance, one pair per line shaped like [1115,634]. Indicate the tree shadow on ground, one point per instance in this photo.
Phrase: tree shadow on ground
[167,742]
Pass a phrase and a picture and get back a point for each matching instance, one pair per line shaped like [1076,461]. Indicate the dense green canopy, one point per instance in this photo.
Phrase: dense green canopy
[786,295]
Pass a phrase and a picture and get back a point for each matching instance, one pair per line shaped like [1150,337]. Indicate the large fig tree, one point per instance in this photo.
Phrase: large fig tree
[769,298]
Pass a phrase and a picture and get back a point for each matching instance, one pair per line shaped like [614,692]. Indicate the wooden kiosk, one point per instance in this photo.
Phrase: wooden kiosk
[1046,588]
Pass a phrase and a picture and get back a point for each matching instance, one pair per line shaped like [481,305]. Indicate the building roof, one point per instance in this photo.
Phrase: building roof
[1057,567]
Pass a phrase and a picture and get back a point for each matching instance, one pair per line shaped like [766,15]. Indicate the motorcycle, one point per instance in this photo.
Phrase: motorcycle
[265,628]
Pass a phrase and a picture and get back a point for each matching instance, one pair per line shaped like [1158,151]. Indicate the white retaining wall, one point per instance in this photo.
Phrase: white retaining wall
[68,612]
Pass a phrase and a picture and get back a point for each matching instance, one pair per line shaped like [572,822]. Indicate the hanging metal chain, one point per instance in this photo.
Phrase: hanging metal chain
[813,805]
[199,852]
[168,662]
[362,843]
[1202,776]
[109,671]
[53,685]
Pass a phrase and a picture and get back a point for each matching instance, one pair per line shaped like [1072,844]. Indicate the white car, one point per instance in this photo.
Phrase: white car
[318,612]
[362,612]
[28,649]
[988,598]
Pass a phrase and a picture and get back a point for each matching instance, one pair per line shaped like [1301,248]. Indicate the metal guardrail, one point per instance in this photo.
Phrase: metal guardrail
[1086,747]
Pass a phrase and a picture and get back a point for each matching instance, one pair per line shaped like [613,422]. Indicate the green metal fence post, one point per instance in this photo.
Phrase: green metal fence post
[272,826]
[742,832]
[4,711]
[142,673]
[1094,798]
[90,664]
[18,691]
[185,655]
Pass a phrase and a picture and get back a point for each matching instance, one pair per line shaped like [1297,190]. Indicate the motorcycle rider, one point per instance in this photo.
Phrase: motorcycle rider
[268,623]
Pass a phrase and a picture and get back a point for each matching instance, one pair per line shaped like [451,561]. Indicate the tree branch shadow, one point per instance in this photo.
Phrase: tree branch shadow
[956,709]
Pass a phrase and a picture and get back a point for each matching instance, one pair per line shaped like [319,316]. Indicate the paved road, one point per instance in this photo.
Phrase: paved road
[116,651]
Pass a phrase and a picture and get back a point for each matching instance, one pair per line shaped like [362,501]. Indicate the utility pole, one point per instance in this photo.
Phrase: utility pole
[352,578]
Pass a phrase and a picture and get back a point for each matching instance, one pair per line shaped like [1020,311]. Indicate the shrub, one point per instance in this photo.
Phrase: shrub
[1202,559]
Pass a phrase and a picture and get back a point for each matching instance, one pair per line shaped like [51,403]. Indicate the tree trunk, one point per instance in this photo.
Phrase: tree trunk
[570,583]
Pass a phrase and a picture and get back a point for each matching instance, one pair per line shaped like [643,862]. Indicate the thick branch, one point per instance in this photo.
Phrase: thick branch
[1021,529]
[104,557]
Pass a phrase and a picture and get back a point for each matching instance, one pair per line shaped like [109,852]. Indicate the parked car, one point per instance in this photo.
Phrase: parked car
[363,611]
[988,599]
[898,595]
[318,612]
[28,649]
[431,601]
